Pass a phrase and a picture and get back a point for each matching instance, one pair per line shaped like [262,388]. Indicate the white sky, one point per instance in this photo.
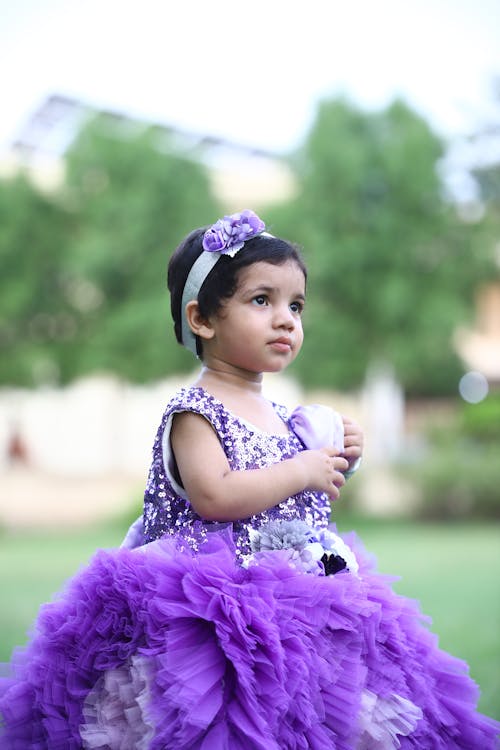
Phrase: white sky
[250,71]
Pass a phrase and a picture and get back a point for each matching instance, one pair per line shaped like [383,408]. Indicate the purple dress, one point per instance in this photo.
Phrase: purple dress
[266,634]
[166,509]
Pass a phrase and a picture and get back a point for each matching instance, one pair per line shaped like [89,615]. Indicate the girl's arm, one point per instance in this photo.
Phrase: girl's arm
[219,494]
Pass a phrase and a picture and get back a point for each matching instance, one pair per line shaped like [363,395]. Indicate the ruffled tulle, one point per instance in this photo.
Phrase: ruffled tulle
[116,709]
[171,649]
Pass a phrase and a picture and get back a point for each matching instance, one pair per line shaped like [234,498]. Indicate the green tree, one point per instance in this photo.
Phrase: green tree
[136,198]
[36,320]
[83,282]
[391,268]
[488,229]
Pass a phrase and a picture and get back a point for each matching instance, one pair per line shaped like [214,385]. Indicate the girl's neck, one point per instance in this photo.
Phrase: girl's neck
[242,395]
[220,377]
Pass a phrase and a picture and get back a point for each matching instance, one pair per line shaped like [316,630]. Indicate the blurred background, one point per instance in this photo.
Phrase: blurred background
[369,133]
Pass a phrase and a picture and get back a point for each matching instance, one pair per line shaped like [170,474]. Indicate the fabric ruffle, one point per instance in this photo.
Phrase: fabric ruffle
[116,709]
[382,720]
[183,650]
[317,426]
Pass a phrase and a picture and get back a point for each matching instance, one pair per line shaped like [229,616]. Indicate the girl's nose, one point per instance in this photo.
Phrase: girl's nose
[283,317]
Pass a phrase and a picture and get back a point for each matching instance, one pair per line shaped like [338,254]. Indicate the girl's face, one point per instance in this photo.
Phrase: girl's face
[259,328]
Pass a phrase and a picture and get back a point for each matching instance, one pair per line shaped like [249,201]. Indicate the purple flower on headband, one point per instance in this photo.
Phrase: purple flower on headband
[228,235]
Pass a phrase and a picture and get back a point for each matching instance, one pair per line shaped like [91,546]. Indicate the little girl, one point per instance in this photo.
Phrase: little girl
[234,617]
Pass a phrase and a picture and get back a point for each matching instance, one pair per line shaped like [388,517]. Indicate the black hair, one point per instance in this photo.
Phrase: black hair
[222,281]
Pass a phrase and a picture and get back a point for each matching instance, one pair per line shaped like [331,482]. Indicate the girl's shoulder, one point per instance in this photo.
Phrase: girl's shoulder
[199,401]
[194,399]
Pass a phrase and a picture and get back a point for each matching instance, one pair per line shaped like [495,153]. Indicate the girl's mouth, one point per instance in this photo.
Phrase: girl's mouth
[281,344]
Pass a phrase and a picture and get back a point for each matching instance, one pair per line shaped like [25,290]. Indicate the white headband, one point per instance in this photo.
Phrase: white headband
[197,275]
[226,237]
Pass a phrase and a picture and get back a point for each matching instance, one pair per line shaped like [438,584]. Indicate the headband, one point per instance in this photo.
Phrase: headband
[226,237]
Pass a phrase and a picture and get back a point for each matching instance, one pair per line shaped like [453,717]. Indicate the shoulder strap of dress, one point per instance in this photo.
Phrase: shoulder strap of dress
[281,410]
[194,400]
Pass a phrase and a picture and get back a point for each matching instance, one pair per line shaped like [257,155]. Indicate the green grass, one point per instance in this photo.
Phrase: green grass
[33,567]
[452,569]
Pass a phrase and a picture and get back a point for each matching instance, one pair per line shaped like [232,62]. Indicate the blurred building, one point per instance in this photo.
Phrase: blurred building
[241,176]
[479,347]
[96,424]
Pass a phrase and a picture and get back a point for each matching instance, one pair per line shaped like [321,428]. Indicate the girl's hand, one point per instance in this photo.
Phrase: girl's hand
[323,470]
[353,440]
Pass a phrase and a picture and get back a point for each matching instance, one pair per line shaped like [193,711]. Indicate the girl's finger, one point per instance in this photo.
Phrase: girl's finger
[353,431]
[353,452]
[350,441]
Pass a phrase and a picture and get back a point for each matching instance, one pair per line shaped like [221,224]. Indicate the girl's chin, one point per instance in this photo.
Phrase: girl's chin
[279,365]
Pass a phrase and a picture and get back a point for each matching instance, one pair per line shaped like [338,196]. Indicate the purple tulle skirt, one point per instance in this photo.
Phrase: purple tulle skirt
[162,648]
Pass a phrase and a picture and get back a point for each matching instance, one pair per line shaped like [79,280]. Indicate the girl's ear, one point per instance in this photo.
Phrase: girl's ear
[199,326]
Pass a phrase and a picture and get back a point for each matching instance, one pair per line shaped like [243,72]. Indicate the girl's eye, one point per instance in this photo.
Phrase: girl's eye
[297,307]
[260,300]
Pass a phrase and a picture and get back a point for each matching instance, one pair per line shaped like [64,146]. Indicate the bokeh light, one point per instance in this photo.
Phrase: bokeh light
[473,387]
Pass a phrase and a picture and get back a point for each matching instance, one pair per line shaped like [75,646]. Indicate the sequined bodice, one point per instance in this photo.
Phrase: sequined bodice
[246,447]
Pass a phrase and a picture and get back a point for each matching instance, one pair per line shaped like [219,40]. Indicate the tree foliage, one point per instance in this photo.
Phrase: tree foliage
[98,254]
[36,320]
[391,268]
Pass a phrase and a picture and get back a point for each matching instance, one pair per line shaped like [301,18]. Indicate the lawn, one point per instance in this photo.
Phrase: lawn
[452,569]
